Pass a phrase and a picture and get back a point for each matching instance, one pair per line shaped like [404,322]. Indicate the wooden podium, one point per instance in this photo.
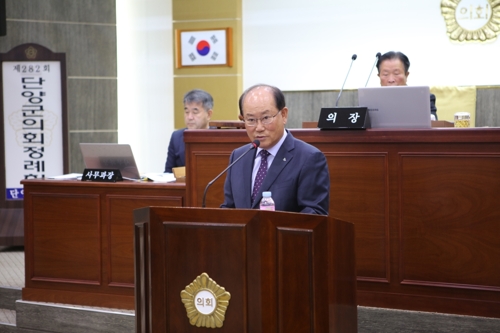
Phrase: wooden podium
[285,272]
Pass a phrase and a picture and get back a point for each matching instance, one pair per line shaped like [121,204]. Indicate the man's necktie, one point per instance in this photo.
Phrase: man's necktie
[261,173]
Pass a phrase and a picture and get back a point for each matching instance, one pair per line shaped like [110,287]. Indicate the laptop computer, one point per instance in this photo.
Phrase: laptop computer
[110,156]
[397,107]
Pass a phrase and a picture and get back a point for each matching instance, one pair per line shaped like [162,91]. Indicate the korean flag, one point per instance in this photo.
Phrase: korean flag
[207,47]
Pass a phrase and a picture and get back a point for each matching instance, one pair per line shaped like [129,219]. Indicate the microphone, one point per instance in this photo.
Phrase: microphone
[377,56]
[341,89]
[254,145]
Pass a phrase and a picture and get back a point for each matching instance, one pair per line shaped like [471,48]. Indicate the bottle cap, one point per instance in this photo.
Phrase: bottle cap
[266,194]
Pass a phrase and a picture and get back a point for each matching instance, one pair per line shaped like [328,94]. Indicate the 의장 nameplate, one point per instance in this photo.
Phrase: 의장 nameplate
[102,175]
[344,118]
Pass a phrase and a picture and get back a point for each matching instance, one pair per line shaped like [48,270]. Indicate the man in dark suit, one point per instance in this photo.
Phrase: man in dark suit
[297,173]
[198,106]
[393,71]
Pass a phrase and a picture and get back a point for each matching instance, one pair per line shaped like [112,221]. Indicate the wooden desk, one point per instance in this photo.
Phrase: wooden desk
[424,204]
[12,225]
[79,239]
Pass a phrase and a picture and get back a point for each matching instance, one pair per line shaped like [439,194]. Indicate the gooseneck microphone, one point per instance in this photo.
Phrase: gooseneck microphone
[377,56]
[254,145]
[341,89]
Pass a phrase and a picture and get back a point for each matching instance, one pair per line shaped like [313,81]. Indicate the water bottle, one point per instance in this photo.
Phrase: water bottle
[267,203]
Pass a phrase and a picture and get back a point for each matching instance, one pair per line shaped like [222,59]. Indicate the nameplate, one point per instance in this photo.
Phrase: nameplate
[102,175]
[344,118]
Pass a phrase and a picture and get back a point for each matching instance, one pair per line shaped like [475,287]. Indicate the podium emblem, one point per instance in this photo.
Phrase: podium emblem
[206,302]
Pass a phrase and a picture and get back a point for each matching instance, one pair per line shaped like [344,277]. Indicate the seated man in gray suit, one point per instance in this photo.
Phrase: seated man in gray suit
[297,173]
[198,106]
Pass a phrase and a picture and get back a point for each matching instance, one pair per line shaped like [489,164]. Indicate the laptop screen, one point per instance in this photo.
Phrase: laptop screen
[110,156]
[397,107]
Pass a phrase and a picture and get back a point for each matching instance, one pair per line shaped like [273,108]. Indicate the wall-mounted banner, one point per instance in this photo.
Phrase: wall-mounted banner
[471,20]
[33,121]
[203,47]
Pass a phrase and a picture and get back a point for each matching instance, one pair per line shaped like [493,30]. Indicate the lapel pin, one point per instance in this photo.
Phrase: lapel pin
[284,159]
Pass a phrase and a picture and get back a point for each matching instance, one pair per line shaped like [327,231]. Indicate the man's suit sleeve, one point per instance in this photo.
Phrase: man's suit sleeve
[170,163]
[313,193]
[228,193]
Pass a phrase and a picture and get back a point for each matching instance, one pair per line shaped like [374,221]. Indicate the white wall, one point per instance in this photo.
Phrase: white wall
[145,79]
[308,44]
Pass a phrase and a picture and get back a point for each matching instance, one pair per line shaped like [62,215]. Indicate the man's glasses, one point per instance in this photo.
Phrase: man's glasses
[266,120]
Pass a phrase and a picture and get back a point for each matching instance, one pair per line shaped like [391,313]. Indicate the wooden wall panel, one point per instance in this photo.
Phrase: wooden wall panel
[206,160]
[299,289]
[207,165]
[424,204]
[359,194]
[79,239]
[276,266]
[446,238]
[217,249]
[119,221]
[67,243]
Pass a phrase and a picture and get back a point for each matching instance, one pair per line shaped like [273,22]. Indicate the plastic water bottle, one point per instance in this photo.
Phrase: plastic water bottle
[267,203]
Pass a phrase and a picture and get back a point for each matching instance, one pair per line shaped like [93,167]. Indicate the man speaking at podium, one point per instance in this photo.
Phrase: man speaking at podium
[295,172]
[393,70]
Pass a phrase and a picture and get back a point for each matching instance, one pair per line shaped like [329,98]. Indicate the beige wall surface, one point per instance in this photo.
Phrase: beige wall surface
[224,83]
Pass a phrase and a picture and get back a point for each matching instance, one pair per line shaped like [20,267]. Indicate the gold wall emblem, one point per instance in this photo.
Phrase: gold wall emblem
[206,302]
[31,53]
[471,20]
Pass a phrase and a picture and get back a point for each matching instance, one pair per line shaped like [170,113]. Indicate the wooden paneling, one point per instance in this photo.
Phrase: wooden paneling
[215,248]
[67,243]
[121,250]
[284,271]
[360,193]
[424,204]
[449,227]
[303,285]
[12,226]
[205,160]
[79,239]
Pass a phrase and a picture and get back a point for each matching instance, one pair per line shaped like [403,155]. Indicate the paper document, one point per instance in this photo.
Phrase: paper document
[160,177]
[67,176]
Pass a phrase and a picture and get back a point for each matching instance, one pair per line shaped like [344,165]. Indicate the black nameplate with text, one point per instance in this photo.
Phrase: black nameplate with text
[344,118]
[102,175]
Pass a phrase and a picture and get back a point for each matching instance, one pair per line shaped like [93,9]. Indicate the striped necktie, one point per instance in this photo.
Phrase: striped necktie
[261,173]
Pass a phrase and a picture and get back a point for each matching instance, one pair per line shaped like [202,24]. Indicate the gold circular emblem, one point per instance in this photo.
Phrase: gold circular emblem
[471,20]
[30,52]
[206,302]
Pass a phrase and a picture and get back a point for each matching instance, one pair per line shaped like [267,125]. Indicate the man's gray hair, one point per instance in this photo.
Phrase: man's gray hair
[199,96]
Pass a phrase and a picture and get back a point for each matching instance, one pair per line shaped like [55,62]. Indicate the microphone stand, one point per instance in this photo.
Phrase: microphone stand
[254,144]
[376,60]
[342,89]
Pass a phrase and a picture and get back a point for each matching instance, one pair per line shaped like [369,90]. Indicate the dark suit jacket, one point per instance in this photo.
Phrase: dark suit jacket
[433,106]
[176,151]
[298,179]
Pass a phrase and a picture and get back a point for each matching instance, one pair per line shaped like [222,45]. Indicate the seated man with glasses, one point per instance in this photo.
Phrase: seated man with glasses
[295,172]
[198,106]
